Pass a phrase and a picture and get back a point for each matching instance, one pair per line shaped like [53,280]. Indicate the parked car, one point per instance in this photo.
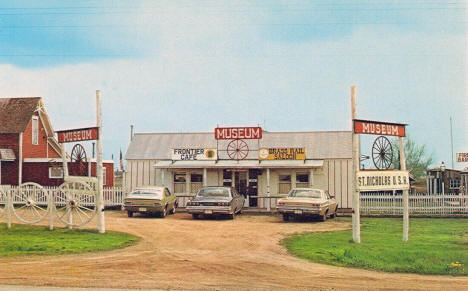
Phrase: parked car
[215,201]
[151,201]
[307,202]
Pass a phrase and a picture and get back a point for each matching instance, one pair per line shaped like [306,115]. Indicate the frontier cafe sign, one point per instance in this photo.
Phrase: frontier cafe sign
[238,133]
[379,128]
[79,134]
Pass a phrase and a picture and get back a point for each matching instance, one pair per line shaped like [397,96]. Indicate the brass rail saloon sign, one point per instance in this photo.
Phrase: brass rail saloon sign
[382,180]
[79,134]
[281,154]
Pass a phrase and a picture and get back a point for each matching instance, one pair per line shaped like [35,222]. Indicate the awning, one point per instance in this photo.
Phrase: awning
[243,164]
[7,155]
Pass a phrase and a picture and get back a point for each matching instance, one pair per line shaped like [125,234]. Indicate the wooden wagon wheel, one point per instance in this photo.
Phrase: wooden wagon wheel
[78,155]
[237,149]
[30,203]
[382,153]
[75,203]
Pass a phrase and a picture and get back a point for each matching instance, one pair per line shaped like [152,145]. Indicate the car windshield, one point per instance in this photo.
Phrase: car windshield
[306,193]
[213,192]
[152,192]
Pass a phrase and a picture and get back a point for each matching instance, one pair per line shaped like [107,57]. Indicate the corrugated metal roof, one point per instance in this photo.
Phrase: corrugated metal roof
[15,113]
[318,144]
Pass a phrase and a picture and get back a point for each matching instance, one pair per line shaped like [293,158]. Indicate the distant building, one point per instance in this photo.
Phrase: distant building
[29,151]
[441,180]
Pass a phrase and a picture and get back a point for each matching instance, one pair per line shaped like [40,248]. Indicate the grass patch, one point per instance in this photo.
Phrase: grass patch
[435,246]
[39,240]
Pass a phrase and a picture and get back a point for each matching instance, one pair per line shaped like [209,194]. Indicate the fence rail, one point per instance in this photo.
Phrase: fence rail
[375,203]
[419,204]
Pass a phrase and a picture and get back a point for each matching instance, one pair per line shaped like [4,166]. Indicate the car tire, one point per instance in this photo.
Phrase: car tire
[324,217]
[163,213]
[195,216]
[285,217]
[333,215]
[173,210]
[240,211]
[129,214]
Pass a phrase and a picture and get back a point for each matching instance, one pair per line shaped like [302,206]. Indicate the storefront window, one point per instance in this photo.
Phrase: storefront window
[179,183]
[284,184]
[302,180]
[194,178]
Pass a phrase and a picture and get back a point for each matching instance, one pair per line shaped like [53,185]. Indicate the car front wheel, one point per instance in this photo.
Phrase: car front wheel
[164,212]
[285,217]
[129,214]
[324,217]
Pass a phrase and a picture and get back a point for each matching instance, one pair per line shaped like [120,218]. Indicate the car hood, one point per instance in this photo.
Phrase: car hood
[295,200]
[145,197]
[211,199]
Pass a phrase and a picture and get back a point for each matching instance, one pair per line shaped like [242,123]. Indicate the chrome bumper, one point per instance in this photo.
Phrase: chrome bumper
[209,210]
[298,210]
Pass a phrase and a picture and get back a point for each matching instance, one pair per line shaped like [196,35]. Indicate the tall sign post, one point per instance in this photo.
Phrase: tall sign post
[356,217]
[100,198]
[405,192]
[384,179]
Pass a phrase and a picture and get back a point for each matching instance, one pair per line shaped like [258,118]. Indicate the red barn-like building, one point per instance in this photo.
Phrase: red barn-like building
[29,150]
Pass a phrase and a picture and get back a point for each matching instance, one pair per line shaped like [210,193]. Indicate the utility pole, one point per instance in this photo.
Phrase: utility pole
[100,198]
[356,161]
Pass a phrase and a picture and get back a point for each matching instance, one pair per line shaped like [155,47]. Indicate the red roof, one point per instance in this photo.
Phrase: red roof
[15,113]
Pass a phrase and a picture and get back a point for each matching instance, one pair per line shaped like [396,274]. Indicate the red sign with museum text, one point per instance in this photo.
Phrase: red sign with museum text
[79,134]
[379,128]
[238,133]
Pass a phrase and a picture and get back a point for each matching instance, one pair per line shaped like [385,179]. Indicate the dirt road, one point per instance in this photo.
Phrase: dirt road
[180,253]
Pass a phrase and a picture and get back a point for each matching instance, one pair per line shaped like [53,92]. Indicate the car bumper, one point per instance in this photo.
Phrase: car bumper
[144,209]
[209,210]
[301,210]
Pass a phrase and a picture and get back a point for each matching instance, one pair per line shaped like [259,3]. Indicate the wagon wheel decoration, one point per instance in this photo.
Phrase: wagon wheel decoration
[237,149]
[78,155]
[382,153]
[3,202]
[30,203]
[75,203]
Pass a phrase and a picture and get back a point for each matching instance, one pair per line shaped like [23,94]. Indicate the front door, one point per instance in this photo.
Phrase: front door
[240,182]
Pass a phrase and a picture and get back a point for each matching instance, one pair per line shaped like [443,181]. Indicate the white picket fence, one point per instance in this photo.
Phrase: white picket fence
[419,204]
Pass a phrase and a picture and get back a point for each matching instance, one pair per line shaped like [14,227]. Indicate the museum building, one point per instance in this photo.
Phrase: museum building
[258,164]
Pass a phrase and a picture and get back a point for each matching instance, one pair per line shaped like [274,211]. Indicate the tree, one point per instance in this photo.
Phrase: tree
[417,158]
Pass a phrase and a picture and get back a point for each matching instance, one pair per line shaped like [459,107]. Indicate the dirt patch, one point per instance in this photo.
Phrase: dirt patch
[180,253]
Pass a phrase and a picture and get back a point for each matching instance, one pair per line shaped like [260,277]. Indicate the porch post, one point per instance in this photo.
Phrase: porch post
[205,177]
[187,182]
[293,178]
[268,189]
[311,178]
[162,177]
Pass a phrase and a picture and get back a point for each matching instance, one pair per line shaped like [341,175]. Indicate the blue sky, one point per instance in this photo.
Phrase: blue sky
[183,66]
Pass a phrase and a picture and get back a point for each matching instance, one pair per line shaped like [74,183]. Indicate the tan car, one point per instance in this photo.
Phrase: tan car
[307,202]
[151,201]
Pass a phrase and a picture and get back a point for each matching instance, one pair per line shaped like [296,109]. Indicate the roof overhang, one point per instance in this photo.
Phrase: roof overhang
[242,164]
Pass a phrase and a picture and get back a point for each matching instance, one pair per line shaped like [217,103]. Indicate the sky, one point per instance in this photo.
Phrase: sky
[189,66]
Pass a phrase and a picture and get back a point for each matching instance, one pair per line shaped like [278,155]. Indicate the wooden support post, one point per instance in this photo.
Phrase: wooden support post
[9,206]
[356,160]
[205,177]
[100,198]
[405,192]
[50,201]
[268,190]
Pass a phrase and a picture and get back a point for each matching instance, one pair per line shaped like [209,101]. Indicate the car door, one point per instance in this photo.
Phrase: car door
[170,198]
